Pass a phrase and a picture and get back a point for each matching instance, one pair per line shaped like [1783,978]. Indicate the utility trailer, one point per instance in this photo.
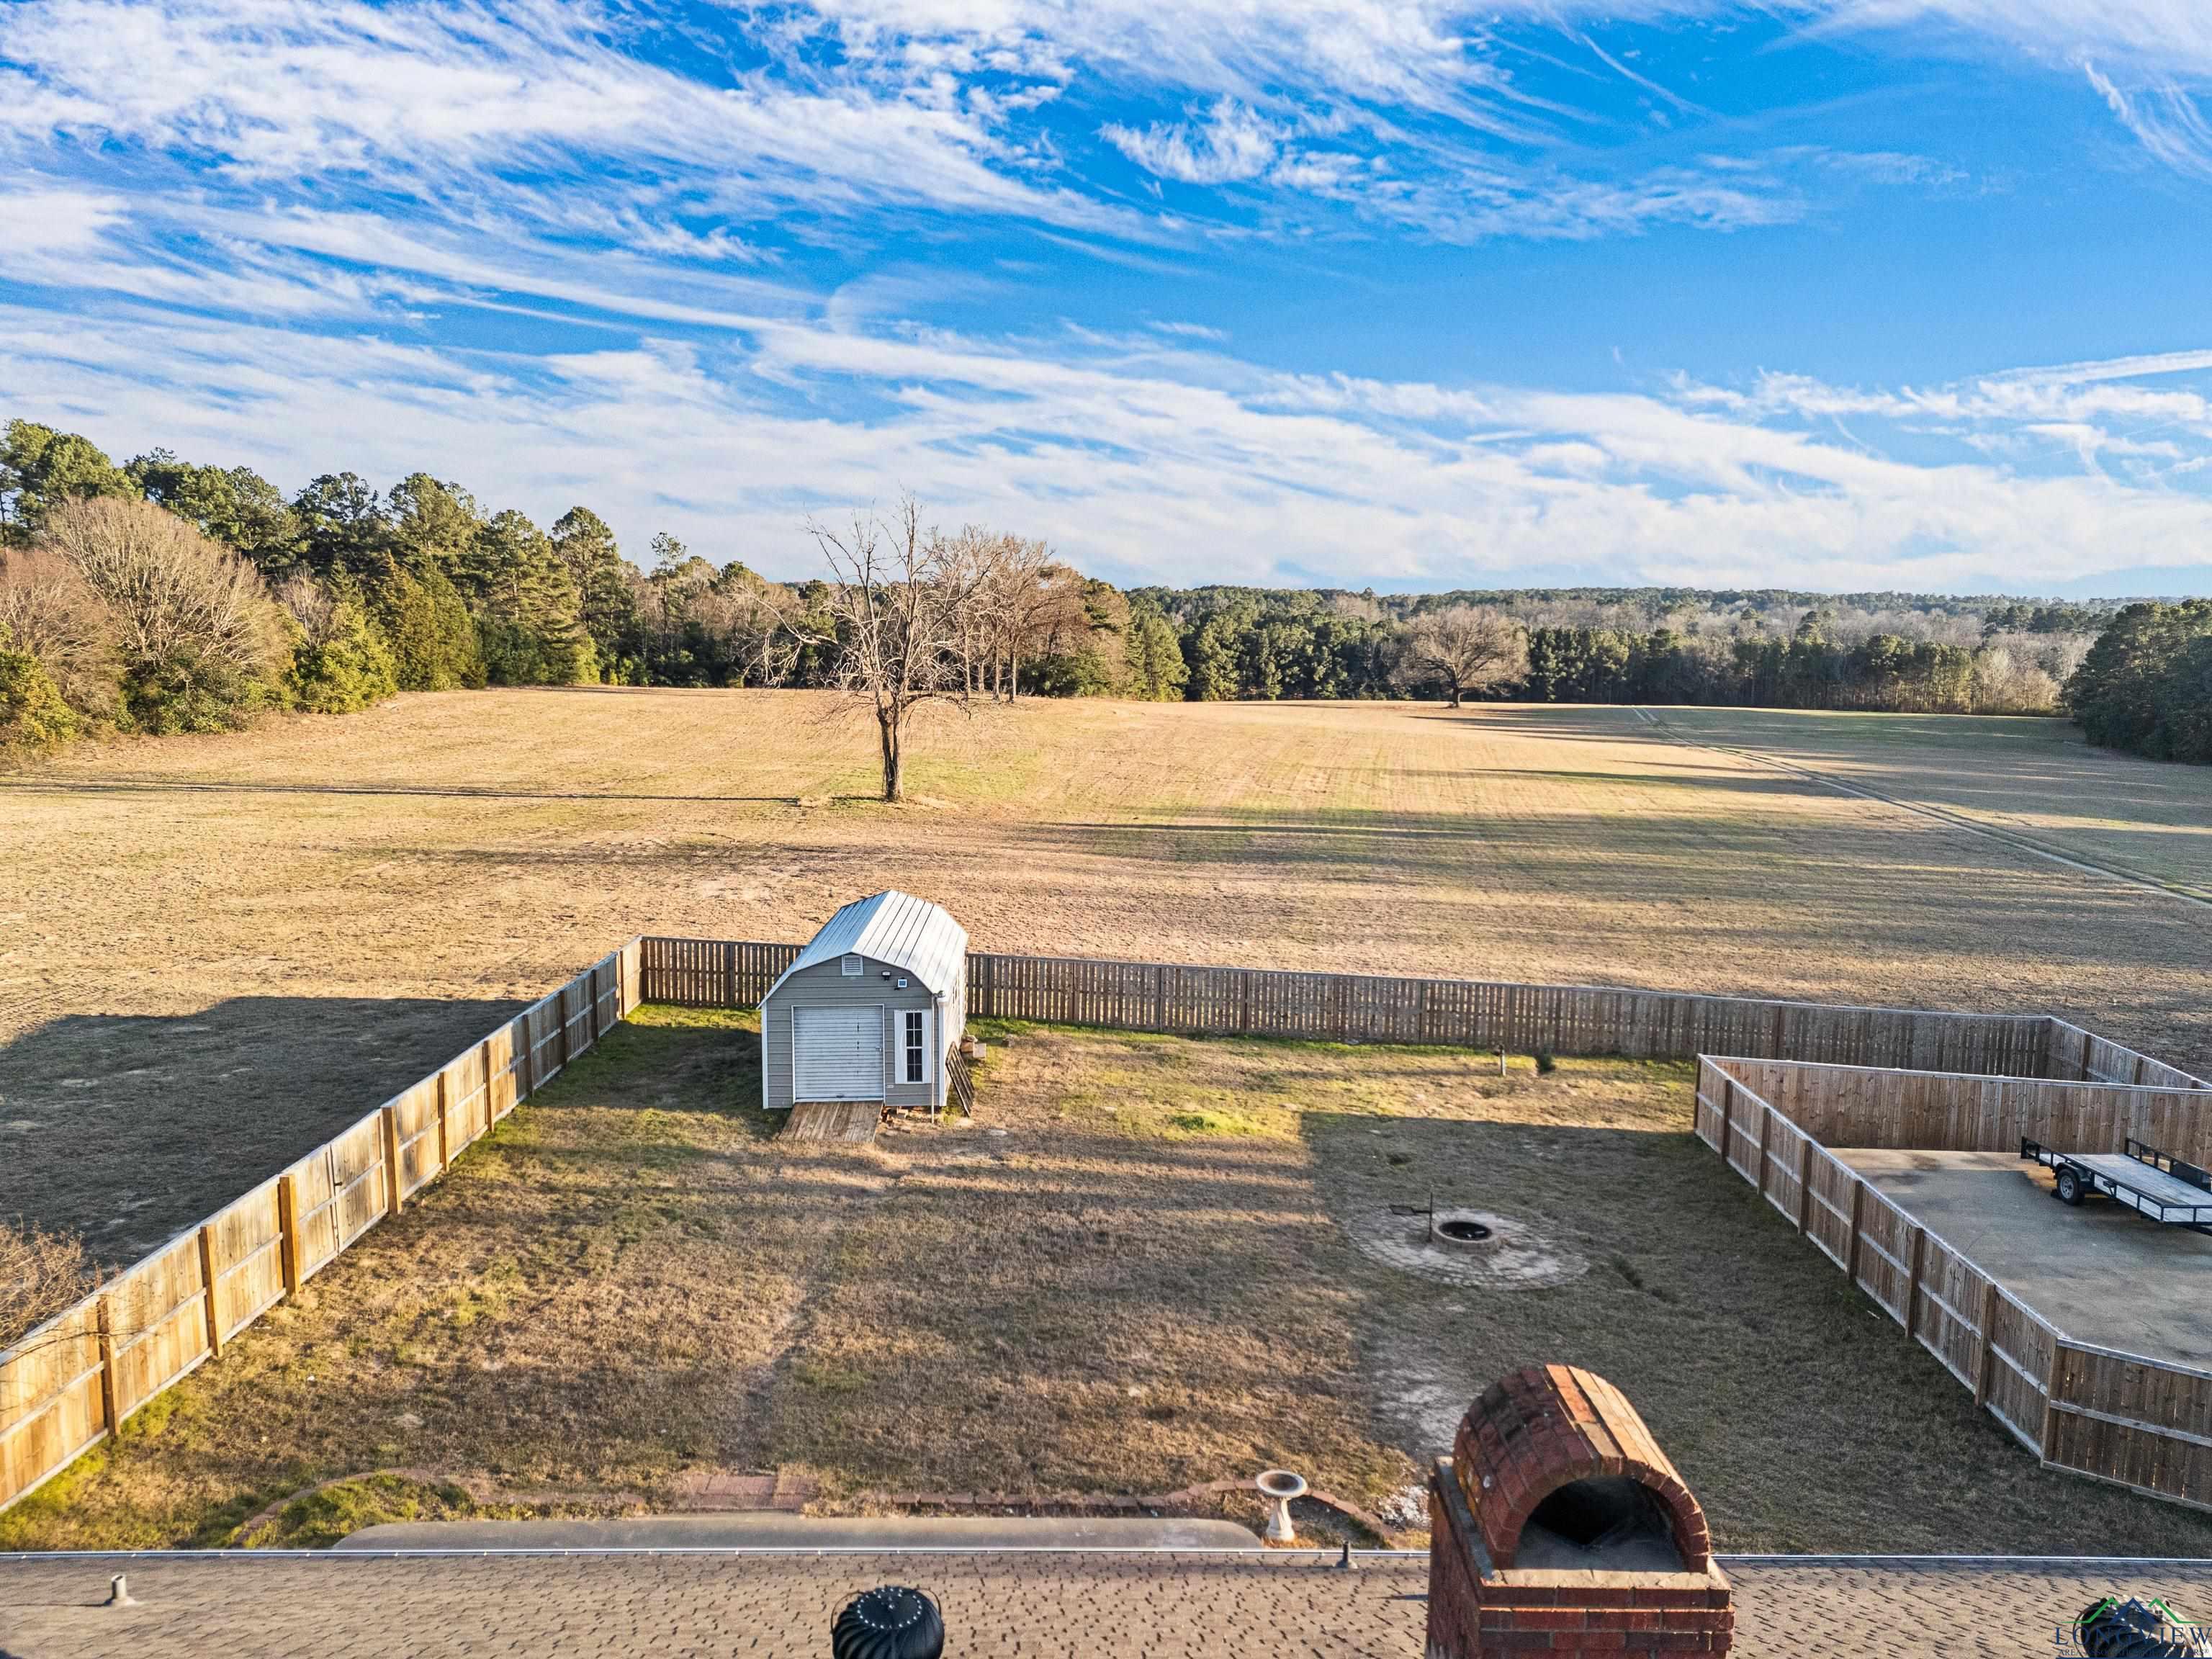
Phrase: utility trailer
[2169,1190]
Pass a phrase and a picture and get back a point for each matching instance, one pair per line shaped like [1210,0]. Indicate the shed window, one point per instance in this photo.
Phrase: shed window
[915,1052]
[853,967]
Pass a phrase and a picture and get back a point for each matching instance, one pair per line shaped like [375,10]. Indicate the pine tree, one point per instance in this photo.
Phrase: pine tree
[586,546]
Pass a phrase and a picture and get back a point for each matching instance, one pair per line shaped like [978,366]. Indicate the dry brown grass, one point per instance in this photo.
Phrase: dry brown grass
[1134,1271]
[216,952]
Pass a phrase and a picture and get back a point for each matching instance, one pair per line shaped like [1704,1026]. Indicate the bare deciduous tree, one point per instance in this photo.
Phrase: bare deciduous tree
[179,602]
[41,1272]
[897,606]
[310,604]
[1465,648]
[1014,599]
[50,611]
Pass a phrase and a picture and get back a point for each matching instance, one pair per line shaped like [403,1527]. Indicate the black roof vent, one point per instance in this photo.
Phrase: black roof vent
[888,1622]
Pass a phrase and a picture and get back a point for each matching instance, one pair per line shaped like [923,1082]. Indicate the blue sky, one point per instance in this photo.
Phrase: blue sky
[1834,294]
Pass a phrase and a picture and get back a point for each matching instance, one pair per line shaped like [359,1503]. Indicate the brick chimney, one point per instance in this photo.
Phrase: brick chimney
[1558,1526]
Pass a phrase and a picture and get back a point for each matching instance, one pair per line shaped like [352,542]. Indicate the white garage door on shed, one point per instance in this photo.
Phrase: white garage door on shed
[837,1054]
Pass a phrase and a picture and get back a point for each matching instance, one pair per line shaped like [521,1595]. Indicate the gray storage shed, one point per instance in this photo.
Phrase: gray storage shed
[868,1009]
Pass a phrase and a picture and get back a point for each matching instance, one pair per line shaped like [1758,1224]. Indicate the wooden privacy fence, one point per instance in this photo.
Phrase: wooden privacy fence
[67,1385]
[2137,1422]
[1940,1111]
[1564,1019]
[2088,1058]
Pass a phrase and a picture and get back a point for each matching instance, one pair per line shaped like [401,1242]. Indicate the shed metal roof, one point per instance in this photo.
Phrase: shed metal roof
[896,929]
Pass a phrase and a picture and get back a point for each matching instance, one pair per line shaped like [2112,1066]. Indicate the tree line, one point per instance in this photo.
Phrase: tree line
[161,595]
[2146,685]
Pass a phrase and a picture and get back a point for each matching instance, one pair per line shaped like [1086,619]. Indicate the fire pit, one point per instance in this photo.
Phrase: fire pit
[1459,1230]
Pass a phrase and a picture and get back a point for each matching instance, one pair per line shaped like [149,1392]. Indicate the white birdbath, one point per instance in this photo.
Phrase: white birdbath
[1281,1485]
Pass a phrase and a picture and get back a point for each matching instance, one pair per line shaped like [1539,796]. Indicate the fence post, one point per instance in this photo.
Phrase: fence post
[107,1326]
[1728,1115]
[1804,1180]
[390,1115]
[730,976]
[207,1286]
[287,1232]
[2048,1439]
[525,1058]
[1765,1127]
[1912,1281]
[445,1107]
[1988,1355]
[1858,1208]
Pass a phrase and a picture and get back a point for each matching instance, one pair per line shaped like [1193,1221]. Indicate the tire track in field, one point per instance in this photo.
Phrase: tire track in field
[1944,816]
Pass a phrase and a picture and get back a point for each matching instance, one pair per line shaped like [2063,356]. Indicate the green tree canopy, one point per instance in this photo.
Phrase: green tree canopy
[236,505]
[40,468]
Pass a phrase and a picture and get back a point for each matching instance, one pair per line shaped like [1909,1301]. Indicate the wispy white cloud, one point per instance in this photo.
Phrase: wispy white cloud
[1134,454]
[2164,118]
[265,226]
[1229,143]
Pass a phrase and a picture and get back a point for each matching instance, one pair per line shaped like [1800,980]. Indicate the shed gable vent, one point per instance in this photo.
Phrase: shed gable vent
[853,967]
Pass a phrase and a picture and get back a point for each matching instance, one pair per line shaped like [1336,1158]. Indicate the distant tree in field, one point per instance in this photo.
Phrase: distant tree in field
[433,522]
[40,468]
[200,643]
[1082,648]
[1464,647]
[1019,597]
[894,604]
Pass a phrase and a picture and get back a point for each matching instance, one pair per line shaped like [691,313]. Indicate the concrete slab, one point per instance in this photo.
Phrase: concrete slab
[763,1531]
[2101,1273]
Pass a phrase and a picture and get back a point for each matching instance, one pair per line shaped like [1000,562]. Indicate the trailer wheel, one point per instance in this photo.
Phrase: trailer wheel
[2071,1188]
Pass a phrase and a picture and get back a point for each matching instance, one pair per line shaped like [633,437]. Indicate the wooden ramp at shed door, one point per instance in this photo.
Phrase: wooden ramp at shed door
[833,1120]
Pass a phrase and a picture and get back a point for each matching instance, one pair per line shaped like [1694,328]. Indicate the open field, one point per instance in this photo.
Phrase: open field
[1148,1262]
[2034,779]
[214,951]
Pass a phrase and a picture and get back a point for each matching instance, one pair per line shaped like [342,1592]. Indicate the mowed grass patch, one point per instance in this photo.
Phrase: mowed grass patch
[1136,1269]
[583,1305]
[1119,1277]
